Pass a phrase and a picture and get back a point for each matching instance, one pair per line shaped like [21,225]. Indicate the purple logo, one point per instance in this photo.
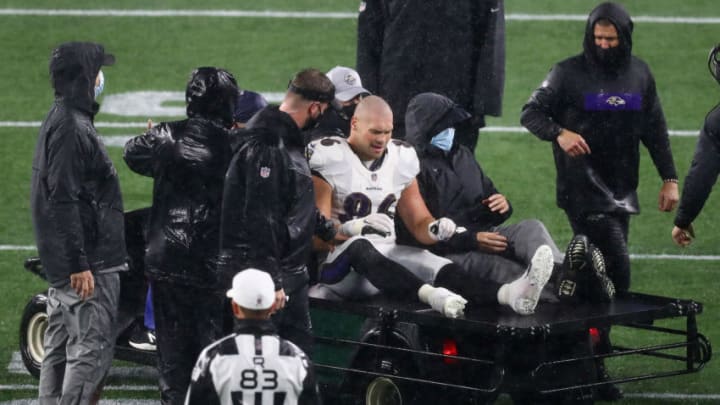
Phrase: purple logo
[264,172]
[613,102]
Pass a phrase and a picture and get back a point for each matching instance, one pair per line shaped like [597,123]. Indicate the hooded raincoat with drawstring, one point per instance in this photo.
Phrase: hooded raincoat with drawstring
[187,160]
[75,198]
[614,106]
[452,183]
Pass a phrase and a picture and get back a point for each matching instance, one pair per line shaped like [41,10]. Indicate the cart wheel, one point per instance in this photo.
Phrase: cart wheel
[32,333]
[382,391]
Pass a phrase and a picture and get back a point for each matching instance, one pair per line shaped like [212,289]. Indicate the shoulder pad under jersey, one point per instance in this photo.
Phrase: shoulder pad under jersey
[407,163]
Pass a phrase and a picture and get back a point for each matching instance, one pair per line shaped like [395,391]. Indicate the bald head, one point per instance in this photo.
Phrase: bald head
[373,106]
[371,128]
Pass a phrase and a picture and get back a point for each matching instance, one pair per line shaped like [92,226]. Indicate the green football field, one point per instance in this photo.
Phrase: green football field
[156,48]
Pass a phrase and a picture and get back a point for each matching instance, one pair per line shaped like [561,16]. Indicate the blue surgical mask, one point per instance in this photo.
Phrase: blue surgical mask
[444,140]
[100,84]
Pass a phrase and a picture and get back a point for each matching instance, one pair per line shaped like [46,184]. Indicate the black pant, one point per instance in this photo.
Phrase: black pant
[609,232]
[394,279]
[293,321]
[187,319]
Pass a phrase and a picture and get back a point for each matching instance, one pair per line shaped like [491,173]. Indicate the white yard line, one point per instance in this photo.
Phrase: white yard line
[124,387]
[670,395]
[102,401]
[17,248]
[675,257]
[335,15]
[143,124]
[523,130]
[16,366]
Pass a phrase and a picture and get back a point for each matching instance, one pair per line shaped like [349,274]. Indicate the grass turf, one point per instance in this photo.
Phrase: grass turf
[158,54]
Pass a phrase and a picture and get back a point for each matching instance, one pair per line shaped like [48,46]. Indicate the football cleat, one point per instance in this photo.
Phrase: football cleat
[523,294]
[599,287]
[569,282]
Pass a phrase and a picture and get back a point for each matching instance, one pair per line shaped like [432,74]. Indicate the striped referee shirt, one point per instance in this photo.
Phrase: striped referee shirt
[253,366]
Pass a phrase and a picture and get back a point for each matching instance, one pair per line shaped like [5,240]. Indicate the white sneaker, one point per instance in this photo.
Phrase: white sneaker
[443,300]
[143,339]
[522,295]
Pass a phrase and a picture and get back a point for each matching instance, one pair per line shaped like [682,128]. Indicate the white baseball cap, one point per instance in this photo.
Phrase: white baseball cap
[252,289]
[347,83]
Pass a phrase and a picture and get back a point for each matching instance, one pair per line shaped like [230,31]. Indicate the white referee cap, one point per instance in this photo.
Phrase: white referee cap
[252,289]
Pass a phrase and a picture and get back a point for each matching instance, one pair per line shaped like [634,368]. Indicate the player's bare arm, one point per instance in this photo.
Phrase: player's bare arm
[415,214]
[323,201]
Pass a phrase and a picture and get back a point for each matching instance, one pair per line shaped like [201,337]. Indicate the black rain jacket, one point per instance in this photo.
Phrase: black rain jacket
[614,109]
[703,171]
[452,47]
[452,183]
[75,198]
[302,215]
[333,122]
[187,159]
[269,204]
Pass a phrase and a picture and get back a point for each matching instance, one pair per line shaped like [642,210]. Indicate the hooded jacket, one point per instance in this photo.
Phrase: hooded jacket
[703,171]
[613,106]
[452,183]
[187,160]
[451,47]
[75,198]
[269,205]
[302,214]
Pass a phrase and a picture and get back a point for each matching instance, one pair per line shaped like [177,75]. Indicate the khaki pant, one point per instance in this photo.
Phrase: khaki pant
[79,342]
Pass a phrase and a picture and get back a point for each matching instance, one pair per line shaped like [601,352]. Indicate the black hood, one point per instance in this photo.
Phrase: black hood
[74,66]
[211,94]
[273,121]
[428,114]
[616,14]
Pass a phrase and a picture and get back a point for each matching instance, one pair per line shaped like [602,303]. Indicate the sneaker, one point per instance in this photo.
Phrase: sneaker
[143,339]
[569,281]
[523,294]
[599,287]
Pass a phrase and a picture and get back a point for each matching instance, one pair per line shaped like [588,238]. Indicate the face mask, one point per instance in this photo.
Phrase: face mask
[100,84]
[444,140]
[349,110]
[311,122]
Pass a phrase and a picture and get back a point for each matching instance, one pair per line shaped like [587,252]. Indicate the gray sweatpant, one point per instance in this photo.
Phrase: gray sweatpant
[524,238]
[79,342]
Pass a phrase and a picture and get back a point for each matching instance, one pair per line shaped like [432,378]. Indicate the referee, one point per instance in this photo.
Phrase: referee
[253,365]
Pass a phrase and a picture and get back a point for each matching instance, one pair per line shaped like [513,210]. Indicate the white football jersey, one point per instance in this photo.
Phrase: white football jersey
[357,190]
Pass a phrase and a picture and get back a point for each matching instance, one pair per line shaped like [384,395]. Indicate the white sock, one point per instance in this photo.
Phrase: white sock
[442,300]
[424,293]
